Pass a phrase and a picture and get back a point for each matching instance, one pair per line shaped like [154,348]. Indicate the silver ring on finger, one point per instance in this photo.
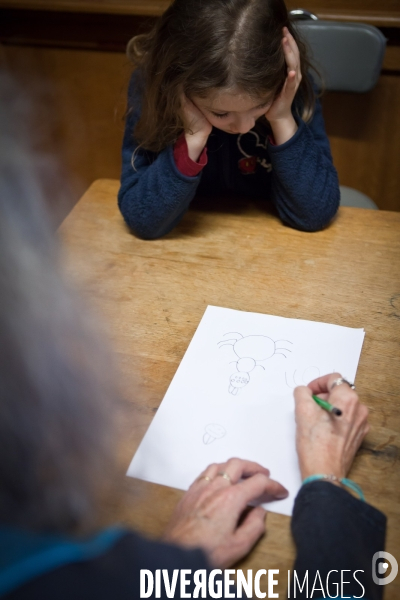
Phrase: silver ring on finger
[225,476]
[341,380]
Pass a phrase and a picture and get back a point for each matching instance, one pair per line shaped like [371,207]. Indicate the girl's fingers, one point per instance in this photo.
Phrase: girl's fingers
[293,77]
[292,42]
[291,51]
[289,88]
[291,82]
[290,57]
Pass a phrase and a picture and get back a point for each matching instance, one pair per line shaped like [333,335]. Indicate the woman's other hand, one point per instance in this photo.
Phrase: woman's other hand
[197,128]
[212,514]
[279,114]
[327,444]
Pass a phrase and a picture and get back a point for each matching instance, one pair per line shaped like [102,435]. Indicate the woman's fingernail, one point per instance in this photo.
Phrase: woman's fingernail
[283,495]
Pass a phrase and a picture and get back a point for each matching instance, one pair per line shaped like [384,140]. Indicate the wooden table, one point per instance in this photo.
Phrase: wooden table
[153,294]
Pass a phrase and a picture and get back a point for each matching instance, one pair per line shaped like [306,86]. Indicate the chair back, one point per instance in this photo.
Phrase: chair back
[349,56]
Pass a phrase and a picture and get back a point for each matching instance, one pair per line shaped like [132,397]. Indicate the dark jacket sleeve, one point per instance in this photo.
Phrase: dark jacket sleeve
[305,185]
[114,575]
[334,531]
[154,195]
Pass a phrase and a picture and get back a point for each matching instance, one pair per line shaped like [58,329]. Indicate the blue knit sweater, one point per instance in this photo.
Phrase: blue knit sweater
[298,177]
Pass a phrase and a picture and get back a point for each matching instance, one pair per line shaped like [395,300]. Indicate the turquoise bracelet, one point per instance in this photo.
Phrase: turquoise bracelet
[346,482]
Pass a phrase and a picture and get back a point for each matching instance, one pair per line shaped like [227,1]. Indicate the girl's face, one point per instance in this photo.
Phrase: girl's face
[231,111]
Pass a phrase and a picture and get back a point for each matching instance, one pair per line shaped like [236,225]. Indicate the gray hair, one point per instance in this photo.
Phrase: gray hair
[56,381]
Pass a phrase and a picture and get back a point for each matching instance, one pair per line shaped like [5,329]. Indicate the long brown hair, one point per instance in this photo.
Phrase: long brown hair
[198,46]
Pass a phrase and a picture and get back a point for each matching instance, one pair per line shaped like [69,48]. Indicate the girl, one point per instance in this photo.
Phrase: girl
[221,101]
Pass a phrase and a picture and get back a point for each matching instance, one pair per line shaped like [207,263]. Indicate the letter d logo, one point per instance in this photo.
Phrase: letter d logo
[382,567]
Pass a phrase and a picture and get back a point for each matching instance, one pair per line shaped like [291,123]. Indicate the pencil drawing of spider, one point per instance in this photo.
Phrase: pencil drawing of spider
[250,350]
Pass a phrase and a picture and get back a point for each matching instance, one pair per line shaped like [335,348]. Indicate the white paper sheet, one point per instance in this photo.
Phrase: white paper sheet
[232,395]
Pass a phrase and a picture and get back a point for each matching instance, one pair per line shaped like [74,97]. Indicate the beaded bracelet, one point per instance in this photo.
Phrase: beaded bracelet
[343,481]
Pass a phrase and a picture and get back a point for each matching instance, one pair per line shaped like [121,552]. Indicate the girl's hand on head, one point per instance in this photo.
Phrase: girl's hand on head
[214,515]
[326,444]
[279,114]
[197,127]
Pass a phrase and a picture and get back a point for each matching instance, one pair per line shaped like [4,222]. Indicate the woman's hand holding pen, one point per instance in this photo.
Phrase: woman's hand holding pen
[197,128]
[279,114]
[327,444]
[214,515]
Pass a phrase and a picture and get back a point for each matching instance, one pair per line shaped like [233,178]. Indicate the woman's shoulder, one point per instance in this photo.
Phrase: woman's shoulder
[47,567]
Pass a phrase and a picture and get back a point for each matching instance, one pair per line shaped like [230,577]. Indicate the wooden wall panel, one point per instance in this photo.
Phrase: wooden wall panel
[364,132]
[125,7]
[78,100]
[383,13]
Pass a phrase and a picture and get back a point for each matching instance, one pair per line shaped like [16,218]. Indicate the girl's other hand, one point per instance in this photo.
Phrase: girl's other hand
[326,444]
[279,114]
[197,128]
[214,515]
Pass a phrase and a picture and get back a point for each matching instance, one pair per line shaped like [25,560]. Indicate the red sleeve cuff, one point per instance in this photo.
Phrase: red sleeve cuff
[184,163]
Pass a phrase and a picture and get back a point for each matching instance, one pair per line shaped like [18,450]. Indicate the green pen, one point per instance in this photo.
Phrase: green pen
[326,406]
